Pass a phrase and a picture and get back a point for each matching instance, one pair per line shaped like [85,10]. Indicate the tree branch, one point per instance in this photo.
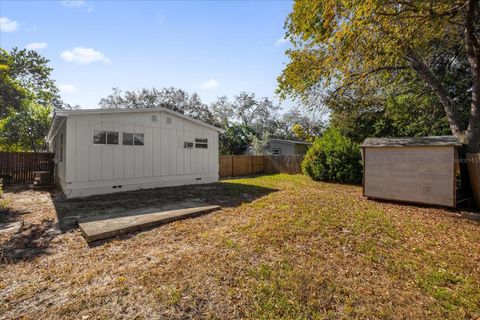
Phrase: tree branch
[437,86]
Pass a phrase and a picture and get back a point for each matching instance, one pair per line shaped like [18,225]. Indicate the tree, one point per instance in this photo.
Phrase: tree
[258,114]
[386,110]
[25,129]
[24,74]
[259,145]
[235,139]
[171,98]
[27,97]
[298,124]
[339,43]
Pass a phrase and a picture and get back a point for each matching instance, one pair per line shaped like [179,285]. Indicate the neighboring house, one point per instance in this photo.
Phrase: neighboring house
[109,150]
[282,147]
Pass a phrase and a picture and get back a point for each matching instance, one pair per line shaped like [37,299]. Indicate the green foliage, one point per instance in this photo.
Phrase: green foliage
[25,129]
[365,47]
[235,139]
[27,96]
[333,157]
[386,111]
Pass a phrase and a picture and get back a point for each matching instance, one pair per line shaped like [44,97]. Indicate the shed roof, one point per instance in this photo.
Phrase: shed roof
[412,142]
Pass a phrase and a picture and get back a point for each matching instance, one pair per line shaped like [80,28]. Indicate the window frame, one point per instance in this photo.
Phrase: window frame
[106,138]
[201,143]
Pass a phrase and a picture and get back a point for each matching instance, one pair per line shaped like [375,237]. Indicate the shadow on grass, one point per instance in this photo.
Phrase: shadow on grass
[35,239]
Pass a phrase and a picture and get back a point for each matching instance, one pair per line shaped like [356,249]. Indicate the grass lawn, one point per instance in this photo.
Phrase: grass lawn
[282,247]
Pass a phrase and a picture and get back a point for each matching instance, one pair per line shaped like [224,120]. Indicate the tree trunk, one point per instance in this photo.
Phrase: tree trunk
[472,47]
[425,73]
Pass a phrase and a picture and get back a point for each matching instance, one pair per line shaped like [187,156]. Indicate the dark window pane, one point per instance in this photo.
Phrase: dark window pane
[112,137]
[128,139]
[201,143]
[138,138]
[99,137]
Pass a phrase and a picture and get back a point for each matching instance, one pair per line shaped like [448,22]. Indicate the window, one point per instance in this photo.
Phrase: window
[201,143]
[188,144]
[112,137]
[127,139]
[104,137]
[138,139]
[276,151]
[130,139]
[169,120]
[99,137]
[154,118]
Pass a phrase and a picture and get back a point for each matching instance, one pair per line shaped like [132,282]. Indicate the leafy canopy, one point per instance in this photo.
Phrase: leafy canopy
[338,44]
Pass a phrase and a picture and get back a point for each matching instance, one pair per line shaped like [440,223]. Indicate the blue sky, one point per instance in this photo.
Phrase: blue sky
[211,47]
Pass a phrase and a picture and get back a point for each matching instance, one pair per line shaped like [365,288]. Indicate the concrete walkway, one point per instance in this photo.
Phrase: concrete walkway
[125,222]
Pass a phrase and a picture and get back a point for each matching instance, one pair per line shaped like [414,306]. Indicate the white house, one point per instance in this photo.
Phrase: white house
[109,150]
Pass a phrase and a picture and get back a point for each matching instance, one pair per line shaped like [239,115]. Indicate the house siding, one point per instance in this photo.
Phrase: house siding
[161,161]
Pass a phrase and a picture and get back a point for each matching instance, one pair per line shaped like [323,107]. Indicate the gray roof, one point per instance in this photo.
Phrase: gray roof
[412,141]
[291,141]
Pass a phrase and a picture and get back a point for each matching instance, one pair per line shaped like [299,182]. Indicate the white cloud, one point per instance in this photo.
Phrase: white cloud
[7,25]
[36,45]
[67,88]
[84,55]
[280,42]
[209,84]
[74,3]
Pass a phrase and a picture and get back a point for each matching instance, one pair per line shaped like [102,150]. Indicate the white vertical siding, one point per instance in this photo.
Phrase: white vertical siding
[162,157]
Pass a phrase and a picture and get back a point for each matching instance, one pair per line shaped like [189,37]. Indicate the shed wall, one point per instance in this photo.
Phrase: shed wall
[161,161]
[414,174]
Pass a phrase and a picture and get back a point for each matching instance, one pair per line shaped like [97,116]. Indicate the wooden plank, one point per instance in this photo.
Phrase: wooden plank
[413,174]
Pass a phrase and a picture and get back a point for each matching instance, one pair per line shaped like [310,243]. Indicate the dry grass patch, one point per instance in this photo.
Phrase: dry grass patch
[283,247]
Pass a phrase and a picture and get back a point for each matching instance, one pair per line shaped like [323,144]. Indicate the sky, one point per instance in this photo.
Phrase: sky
[213,48]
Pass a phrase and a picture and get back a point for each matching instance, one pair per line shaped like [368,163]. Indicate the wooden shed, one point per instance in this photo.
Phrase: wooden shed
[422,170]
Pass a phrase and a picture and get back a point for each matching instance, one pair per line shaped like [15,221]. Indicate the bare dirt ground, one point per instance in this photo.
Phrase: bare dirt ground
[281,247]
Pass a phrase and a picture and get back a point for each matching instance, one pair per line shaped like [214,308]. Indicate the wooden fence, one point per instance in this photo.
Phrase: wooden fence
[19,167]
[232,166]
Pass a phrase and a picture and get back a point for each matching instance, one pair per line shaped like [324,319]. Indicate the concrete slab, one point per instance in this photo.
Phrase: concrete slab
[125,222]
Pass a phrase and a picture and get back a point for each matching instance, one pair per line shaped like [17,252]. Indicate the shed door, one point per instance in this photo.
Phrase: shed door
[414,174]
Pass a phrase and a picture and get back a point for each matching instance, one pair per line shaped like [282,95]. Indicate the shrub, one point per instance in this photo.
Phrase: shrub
[333,157]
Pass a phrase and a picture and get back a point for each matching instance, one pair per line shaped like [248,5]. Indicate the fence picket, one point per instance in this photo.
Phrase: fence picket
[19,167]
[241,165]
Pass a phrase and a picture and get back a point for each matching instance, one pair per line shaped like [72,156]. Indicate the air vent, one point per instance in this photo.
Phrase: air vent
[188,145]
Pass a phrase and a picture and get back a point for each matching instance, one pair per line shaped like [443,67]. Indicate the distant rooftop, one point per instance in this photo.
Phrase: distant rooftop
[412,141]
[291,141]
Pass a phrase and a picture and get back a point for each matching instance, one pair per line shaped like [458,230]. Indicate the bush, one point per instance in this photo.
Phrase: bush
[333,157]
